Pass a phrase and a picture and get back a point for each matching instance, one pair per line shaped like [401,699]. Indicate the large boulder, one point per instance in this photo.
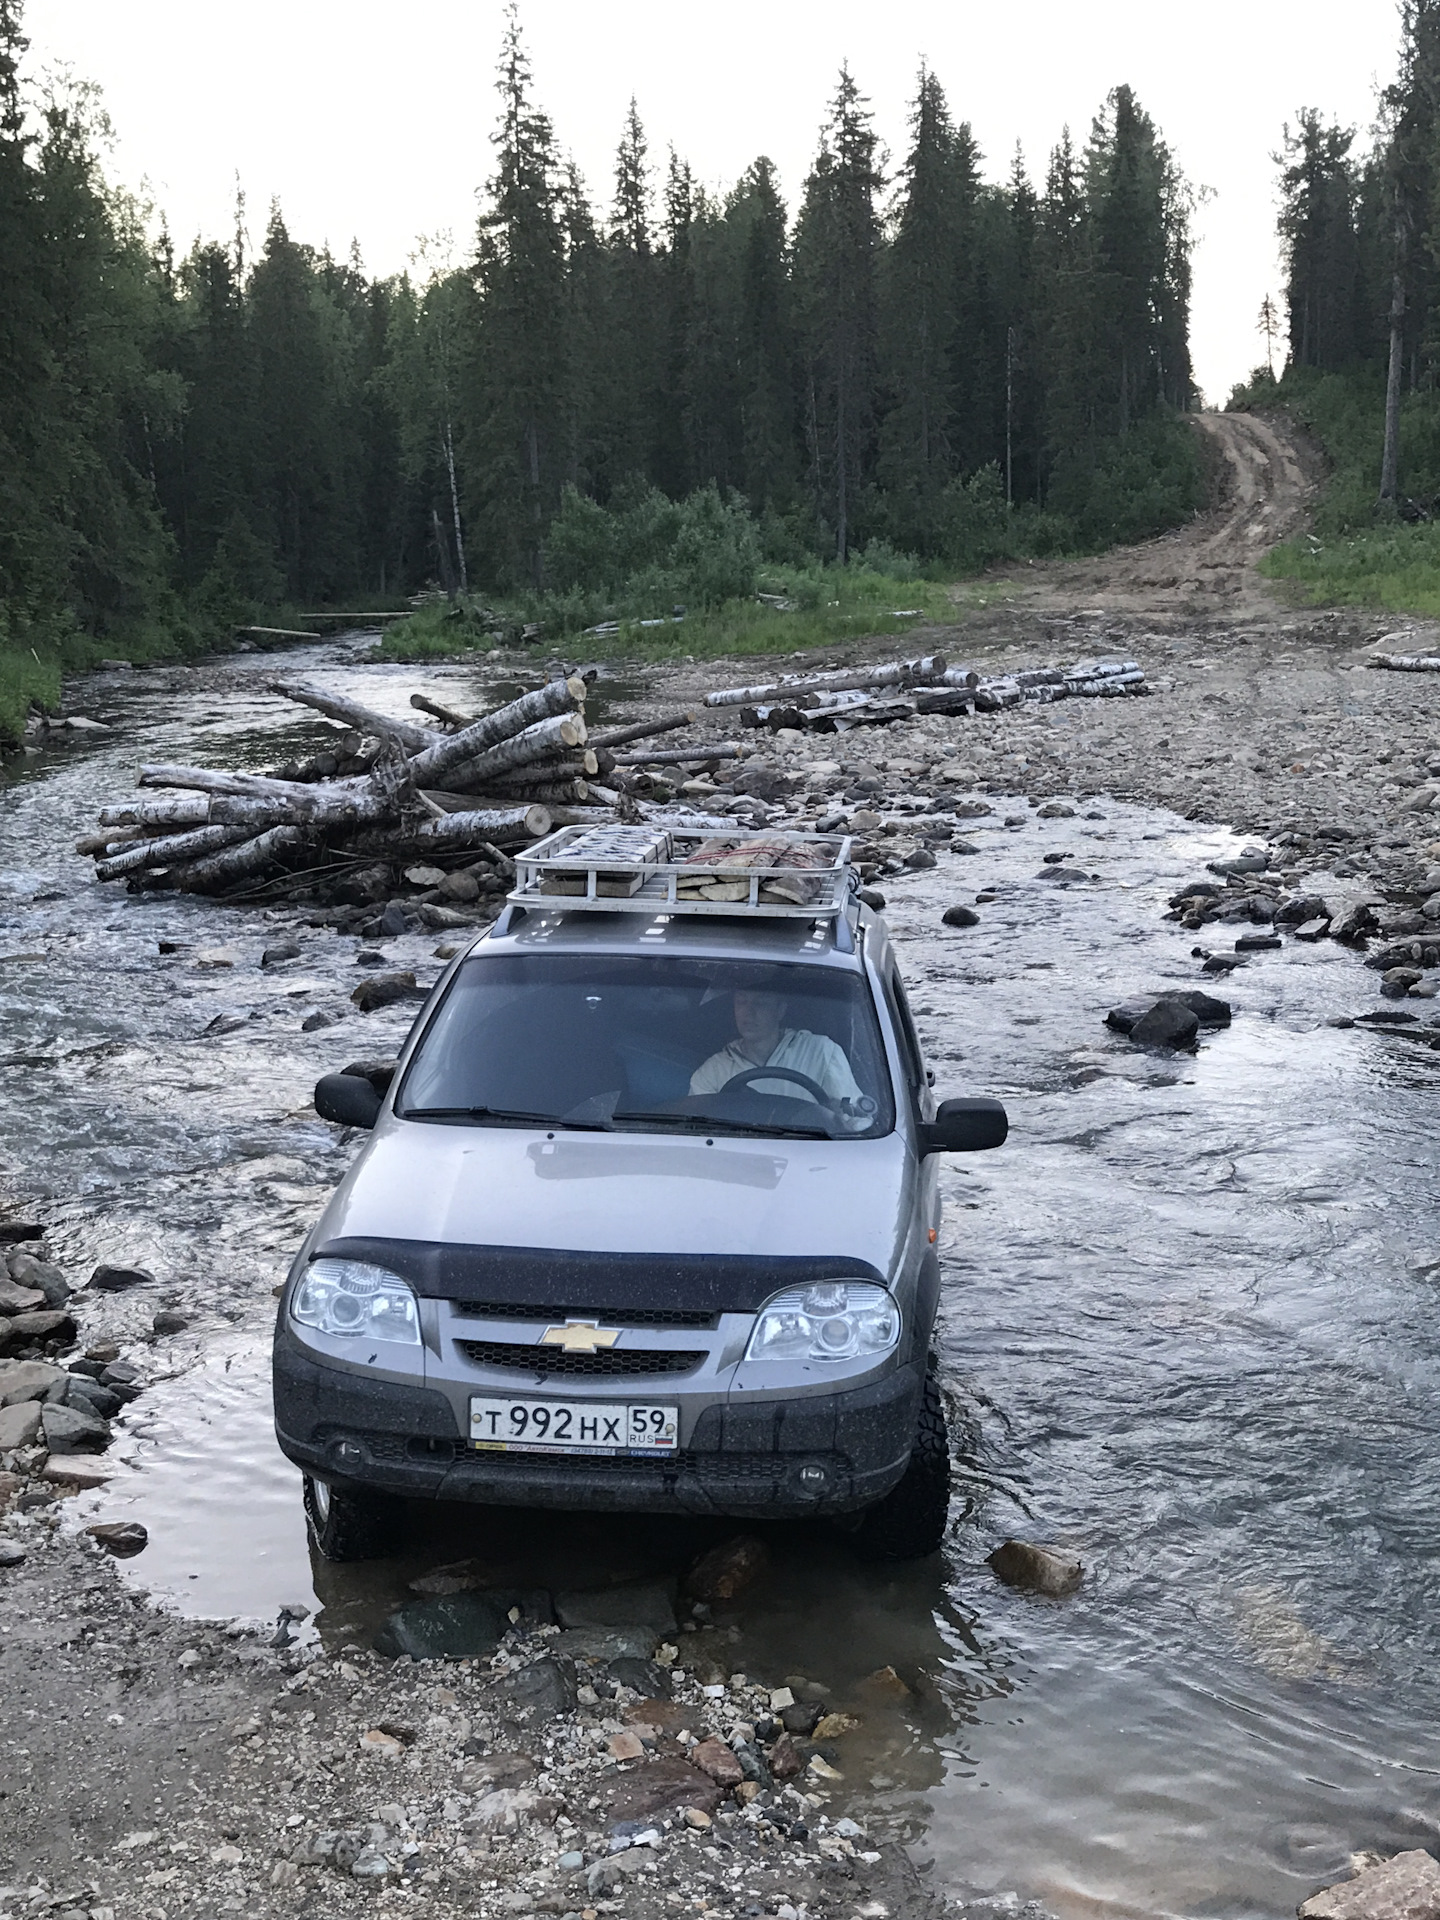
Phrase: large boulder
[1020,1563]
[1405,1887]
[450,1626]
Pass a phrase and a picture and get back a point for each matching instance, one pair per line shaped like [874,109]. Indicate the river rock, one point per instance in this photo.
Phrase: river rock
[31,1380]
[12,1554]
[803,1718]
[19,1425]
[167,1322]
[12,1231]
[451,1626]
[714,1758]
[92,1397]
[971,809]
[15,1299]
[1055,810]
[538,1692]
[873,898]
[1168,1023]
[108,1279]
[649,1607]
[667,1785]
[73,1429]
[80,1471]
[277,955]
[123,1538]
[510,1807]
[383,990]
[1406,1887]
[24,1329]
[727,1570]
[1020,1563]
[1312,930]
[26,1271]
[494,1770]
[645,1677]
[960,917]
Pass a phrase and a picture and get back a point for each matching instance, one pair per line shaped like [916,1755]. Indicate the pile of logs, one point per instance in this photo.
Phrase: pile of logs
[836,701]
[391,789]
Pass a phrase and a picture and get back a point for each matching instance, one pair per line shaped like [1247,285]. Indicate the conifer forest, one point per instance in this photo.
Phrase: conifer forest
[609,395]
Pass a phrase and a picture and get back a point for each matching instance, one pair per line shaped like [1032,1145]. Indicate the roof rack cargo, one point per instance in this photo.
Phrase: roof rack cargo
[651,869]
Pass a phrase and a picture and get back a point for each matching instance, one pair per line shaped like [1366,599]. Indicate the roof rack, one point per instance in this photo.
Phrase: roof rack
[652,870]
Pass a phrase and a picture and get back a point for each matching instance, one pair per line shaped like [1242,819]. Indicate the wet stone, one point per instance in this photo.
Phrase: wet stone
[1167,1023]
[107,1279]
[644,1677]
[73,1429]
[27,1329]
[26,1271]
[14,1299]
[123,1538]
[537,1692]
[384,990]
[649,1607]
[727,1570]
[959,916]
[1258,942]
[1406,1887]
[22,1380]
[12,1554]
[452,1626]
[277,955]
[166,1322]
[1020,1563]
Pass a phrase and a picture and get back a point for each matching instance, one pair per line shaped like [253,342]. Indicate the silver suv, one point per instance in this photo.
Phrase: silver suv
[647,1222]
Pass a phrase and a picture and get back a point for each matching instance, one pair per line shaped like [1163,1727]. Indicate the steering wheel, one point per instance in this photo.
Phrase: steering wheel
[740,1081]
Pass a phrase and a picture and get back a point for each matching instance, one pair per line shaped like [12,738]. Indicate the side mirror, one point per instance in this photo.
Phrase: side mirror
[347,1100]
[965,1126]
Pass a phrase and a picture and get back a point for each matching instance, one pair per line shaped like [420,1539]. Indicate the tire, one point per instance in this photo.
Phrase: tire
[351,1525]
[910,1521]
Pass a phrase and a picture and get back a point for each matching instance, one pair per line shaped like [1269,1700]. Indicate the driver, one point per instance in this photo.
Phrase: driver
[763,1040]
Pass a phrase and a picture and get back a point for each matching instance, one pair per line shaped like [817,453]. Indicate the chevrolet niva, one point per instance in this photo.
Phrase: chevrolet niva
[647,1219]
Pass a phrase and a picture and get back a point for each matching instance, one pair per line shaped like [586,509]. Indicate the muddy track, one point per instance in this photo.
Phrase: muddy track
[1265,473]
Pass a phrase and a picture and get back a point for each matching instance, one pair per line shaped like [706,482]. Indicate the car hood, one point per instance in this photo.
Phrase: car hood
[625,1193]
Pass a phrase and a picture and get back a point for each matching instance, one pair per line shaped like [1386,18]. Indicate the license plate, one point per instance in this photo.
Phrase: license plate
[572,1426]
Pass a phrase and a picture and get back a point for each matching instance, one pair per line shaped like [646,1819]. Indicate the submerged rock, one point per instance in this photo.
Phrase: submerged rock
[619,1608]
[383,990]
[727,1570]
[1019,1563]
[123,1538]
[960,917]
[109,1279]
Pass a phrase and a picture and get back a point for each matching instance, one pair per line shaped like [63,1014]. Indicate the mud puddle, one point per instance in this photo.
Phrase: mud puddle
[1188,1321]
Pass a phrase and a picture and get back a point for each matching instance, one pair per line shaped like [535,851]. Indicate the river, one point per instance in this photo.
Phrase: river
[1188,1330]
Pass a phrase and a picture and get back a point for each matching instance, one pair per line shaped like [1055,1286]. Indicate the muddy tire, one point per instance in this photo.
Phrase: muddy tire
[351,1525]
[910,1521]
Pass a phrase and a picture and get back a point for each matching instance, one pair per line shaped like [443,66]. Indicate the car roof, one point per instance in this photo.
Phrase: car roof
[688,936]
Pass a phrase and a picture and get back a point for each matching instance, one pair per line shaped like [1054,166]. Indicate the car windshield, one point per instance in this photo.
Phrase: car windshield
[653,1044]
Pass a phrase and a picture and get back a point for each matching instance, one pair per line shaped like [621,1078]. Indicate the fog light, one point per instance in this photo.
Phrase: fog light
[349,1455]
[813,1477]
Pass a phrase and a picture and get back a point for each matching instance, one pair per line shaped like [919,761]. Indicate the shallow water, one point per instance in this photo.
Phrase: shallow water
[1188,1321]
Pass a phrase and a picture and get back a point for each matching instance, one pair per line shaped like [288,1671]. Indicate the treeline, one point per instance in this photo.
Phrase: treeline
[927,364]
[1360,235]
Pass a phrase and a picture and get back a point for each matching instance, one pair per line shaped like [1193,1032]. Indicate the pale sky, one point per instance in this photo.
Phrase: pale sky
[372,121]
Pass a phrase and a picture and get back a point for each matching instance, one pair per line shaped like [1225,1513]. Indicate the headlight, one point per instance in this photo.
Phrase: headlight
[348,1297]
[835,1320]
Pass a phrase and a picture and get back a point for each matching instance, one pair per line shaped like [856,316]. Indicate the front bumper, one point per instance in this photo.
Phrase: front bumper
[744,1458]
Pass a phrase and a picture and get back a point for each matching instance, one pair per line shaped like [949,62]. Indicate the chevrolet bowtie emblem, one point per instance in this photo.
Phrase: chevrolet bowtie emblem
[580,1336]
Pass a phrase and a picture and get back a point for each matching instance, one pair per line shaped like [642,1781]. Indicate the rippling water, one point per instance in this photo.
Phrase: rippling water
[1188,1322]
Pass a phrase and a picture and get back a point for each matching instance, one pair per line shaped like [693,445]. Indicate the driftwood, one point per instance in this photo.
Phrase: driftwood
[1406,662]
[890,673]
[237,863]
[351,714]
[167,851]
[642,730]
[679,756]
[456,721]
[546,740]
[556,697]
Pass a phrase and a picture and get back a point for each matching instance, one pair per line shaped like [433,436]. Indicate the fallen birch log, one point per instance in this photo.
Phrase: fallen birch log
[238,863]
[456,721]
[1406,662]
[642,730]
[555,698]
[351,713]
[172,849]
[546,739]
[841,679]
[679,756]
[479,827]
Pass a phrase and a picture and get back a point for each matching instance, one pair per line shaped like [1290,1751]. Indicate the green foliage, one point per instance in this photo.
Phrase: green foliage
[1357,555]
[648,552]
[1131,487]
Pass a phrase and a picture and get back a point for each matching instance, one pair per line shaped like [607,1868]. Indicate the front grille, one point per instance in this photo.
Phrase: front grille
[555,1364]
[554,1316]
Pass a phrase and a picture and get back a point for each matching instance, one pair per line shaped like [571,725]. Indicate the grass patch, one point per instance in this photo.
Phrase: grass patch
[1357,556]
[831,605]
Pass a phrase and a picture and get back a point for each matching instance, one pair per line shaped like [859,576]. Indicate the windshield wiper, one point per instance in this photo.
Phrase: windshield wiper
[697,1123]
[508,1116]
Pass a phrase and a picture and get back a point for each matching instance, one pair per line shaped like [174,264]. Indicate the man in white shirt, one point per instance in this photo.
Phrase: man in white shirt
[762,1040]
